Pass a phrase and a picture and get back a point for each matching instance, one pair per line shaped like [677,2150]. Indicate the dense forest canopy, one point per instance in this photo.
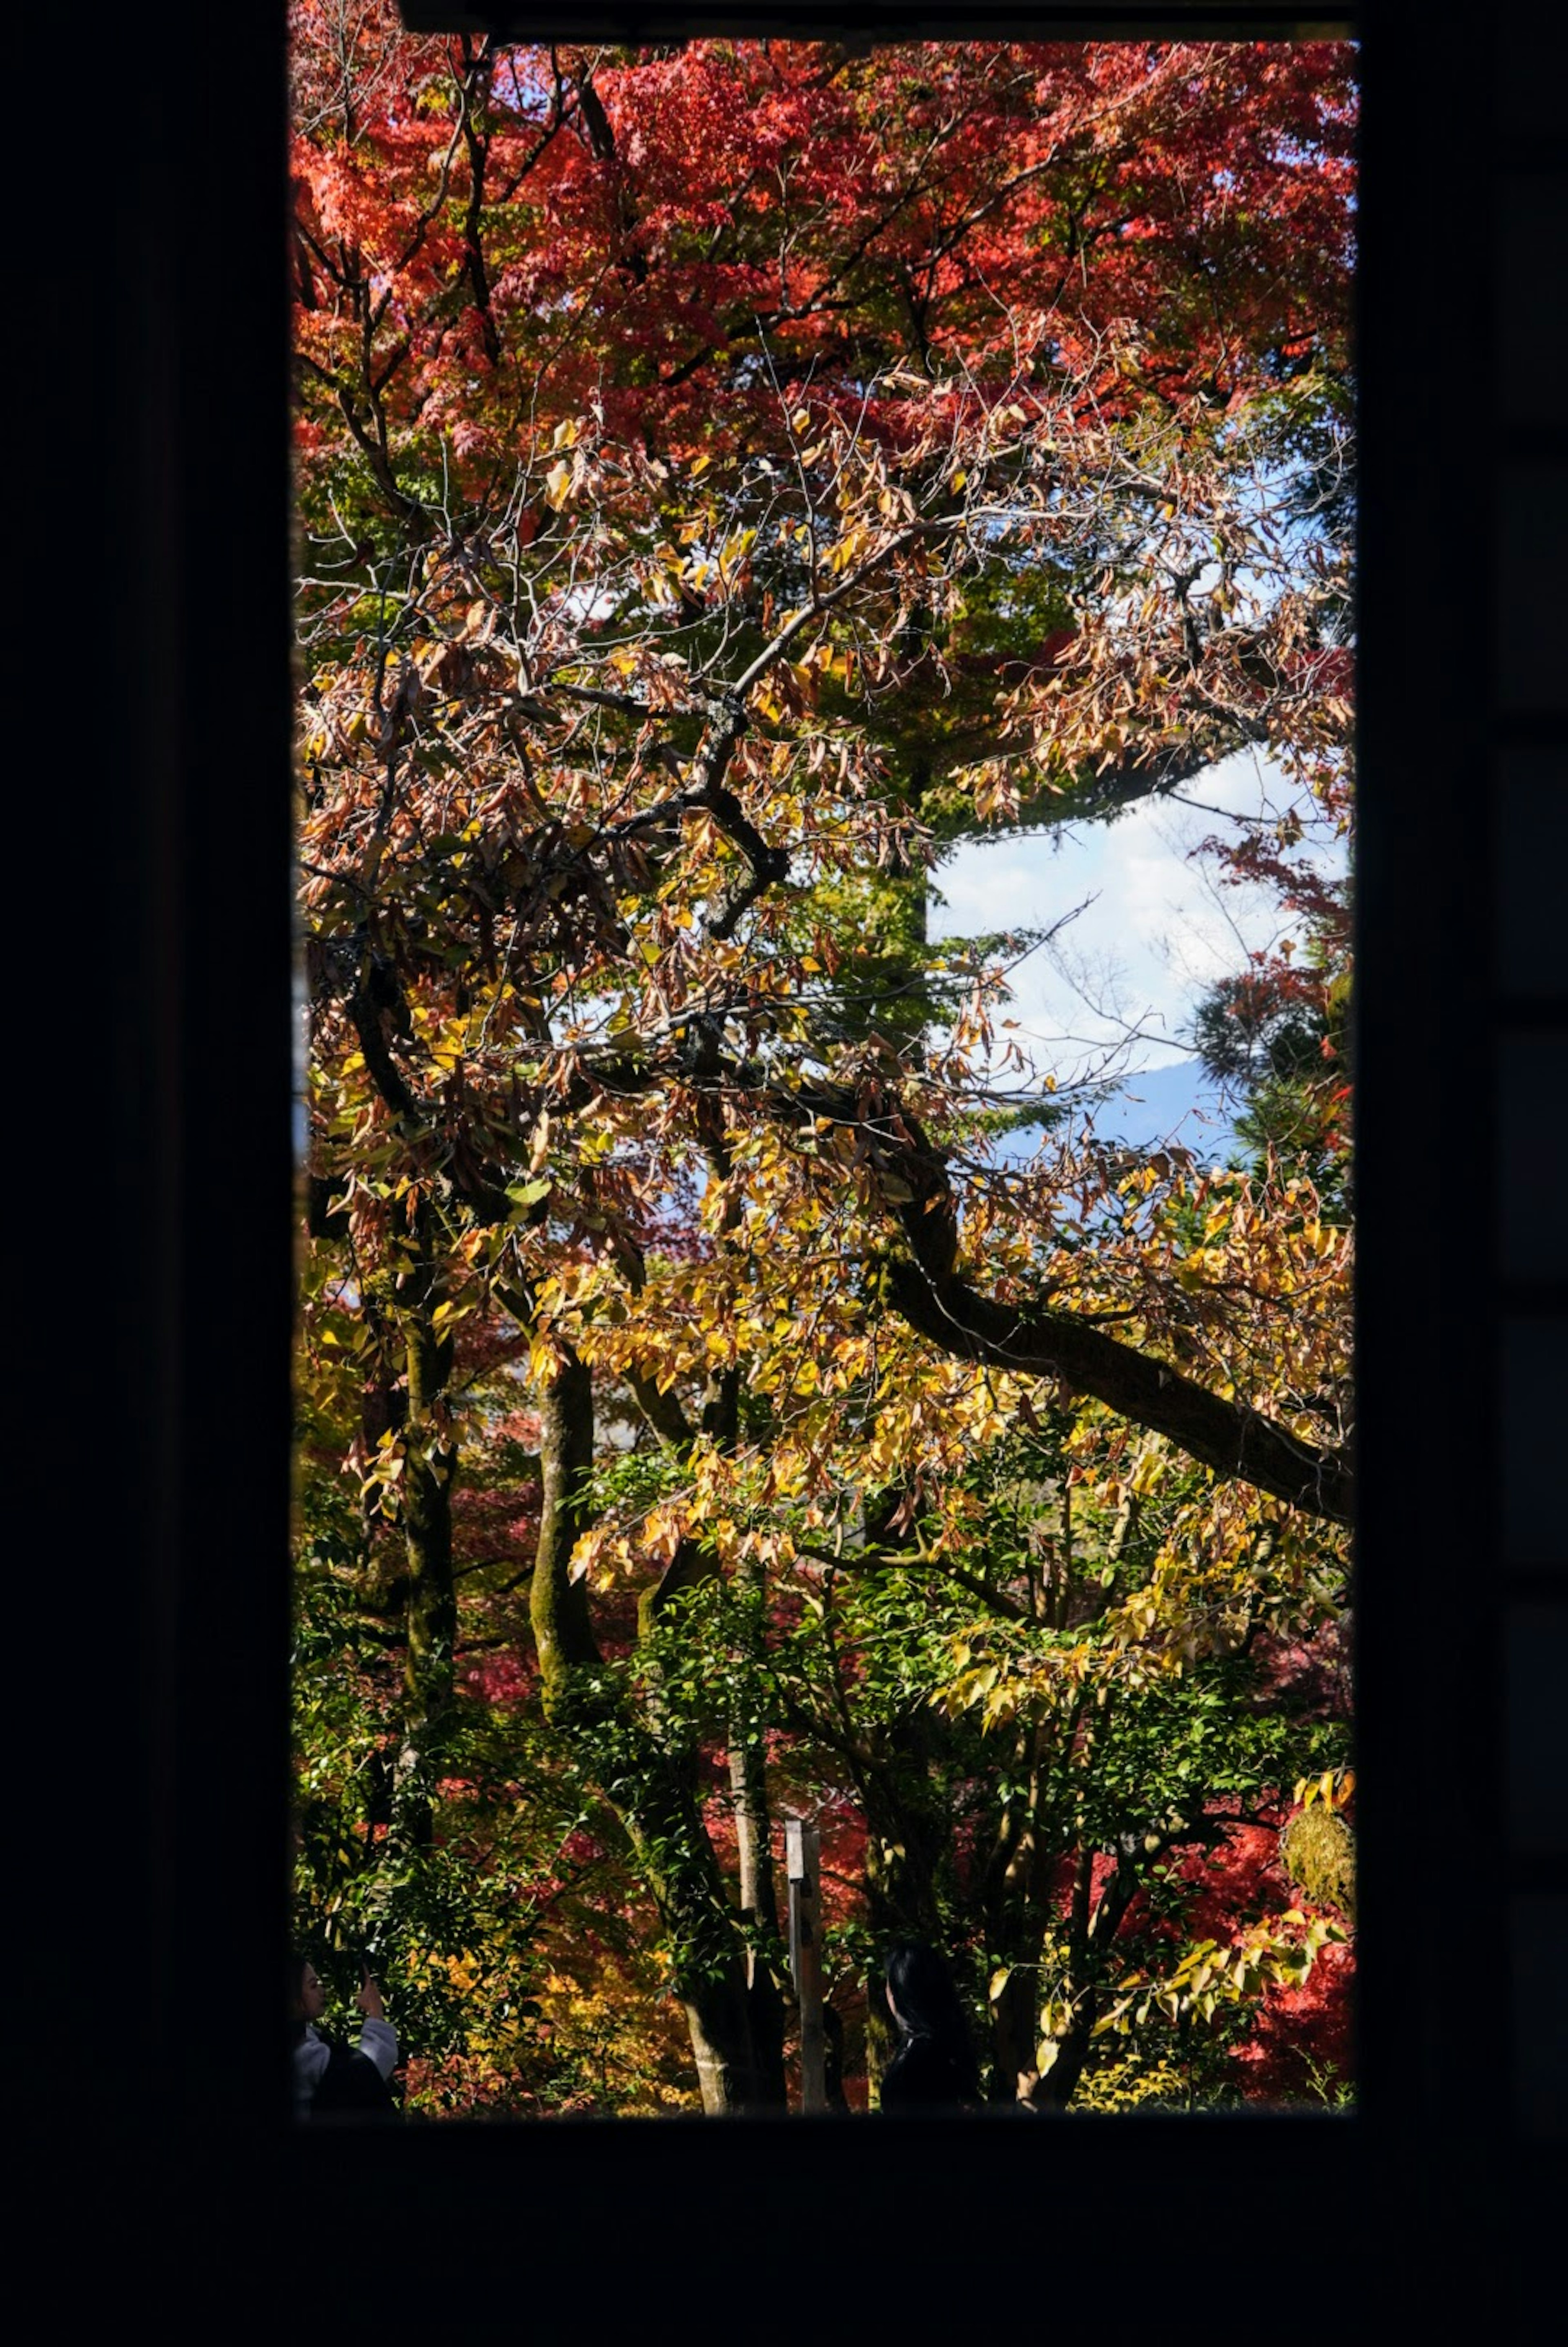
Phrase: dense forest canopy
[728,475]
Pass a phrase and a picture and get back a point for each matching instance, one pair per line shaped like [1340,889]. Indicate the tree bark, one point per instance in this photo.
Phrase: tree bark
[904,1845]
[1015,1911]
[563,1637]
[758,1889]
[425,1506]
[649,1788]
[1234,1440]
[1031,1339]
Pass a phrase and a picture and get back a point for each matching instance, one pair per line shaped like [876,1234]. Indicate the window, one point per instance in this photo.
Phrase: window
[182,395]
[752,1364]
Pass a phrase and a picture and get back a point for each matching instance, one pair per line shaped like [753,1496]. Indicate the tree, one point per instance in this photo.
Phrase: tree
[693,539]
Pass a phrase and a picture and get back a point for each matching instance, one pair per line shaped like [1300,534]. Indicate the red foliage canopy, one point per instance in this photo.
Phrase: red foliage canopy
[490,236]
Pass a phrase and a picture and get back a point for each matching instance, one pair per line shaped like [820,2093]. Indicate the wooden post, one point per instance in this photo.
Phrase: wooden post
[802,1864]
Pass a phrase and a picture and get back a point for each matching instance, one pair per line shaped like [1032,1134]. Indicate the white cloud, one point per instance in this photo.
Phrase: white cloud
[1126,972]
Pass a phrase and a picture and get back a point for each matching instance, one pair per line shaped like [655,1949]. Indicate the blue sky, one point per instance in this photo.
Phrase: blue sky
[1116,991]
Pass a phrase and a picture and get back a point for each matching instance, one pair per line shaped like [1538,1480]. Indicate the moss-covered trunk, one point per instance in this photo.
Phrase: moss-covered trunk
[650,1788]
[1015,1903]
[907,1841]
[429,1463]
[758,1904]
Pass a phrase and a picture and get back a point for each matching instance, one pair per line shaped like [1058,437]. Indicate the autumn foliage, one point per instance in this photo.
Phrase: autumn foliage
[726,474]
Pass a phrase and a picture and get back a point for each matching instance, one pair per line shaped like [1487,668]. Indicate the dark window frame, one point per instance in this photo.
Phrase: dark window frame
[170,1130]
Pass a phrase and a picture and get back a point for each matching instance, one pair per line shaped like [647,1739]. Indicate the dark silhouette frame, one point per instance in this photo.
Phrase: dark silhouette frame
[156,498]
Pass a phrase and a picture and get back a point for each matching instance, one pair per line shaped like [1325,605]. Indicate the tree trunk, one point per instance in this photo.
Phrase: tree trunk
[1015,1924]
[426,1505]
[759,1905]
[1092,1928]
[707,1956]
[649,1788]
[903,1848]
[905,1843]
[563,1637]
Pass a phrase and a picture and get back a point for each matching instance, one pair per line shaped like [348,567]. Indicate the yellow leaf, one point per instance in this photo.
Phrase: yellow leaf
[1148,1473]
